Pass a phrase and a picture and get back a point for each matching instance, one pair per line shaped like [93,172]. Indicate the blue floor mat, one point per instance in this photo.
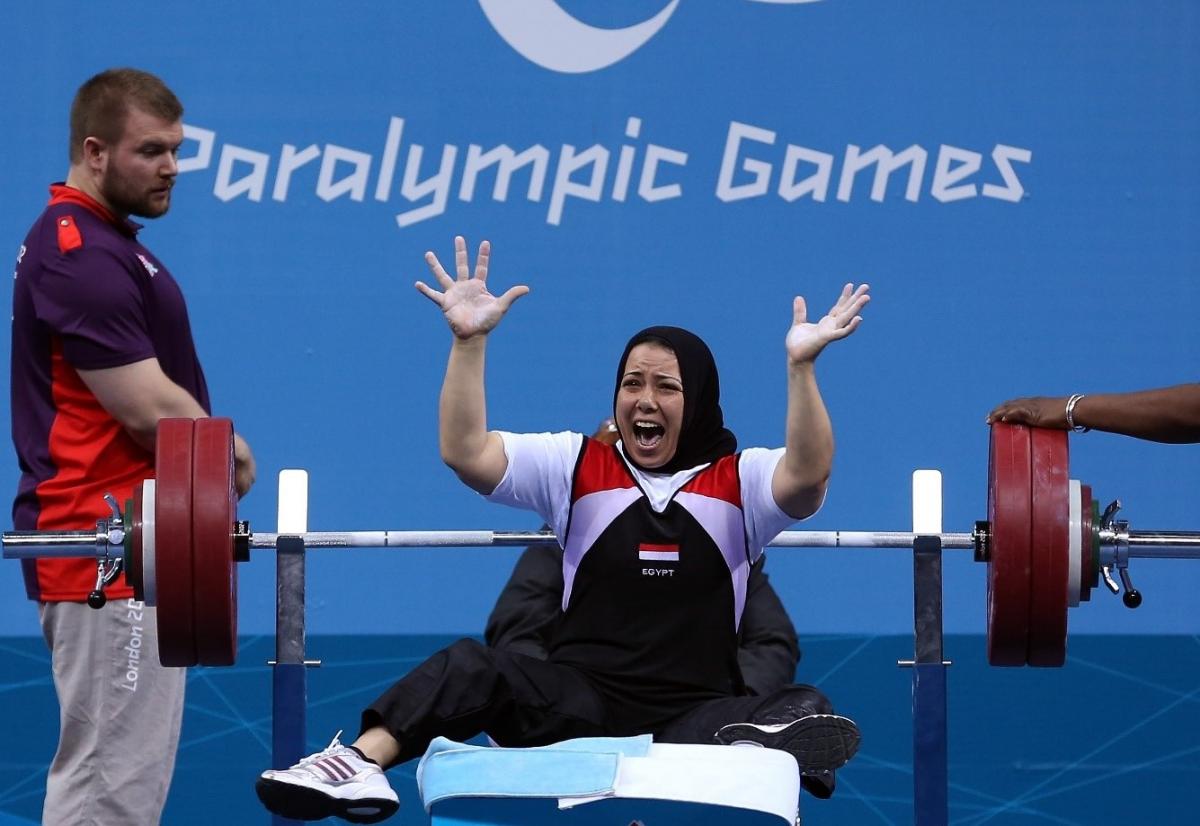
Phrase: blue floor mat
[1112,738]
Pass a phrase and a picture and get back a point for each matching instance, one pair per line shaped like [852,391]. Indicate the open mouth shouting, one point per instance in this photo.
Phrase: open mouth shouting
[648,435]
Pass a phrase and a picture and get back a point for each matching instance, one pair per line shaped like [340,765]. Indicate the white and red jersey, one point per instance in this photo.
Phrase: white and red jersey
[654,565]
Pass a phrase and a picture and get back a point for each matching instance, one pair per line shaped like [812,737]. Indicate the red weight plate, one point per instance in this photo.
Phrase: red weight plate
[173,543]
[1075,536]
[1087,577]
[133,559]
[214,507]
[1009,471]
[1050,542]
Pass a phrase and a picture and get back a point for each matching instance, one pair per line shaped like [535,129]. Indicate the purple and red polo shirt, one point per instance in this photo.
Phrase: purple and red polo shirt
[86,296]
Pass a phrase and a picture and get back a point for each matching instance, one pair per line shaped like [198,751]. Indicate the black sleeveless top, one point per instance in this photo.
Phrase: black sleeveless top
[653,600]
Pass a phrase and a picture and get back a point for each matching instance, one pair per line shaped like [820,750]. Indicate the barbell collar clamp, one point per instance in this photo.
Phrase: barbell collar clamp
[107,570]
[1107,517]
[241,541]
[1109,582]
[983,540]
[114,510]
[1132,596]
[113,535]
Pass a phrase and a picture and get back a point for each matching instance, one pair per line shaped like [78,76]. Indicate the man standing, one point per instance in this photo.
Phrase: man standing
[102,349]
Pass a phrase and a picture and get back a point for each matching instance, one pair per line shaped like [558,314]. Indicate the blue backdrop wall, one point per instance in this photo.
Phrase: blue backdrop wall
[1017,181]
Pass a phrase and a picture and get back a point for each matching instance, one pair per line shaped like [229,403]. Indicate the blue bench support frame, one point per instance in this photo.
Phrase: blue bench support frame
[289,695]
[930,776]
[930,754]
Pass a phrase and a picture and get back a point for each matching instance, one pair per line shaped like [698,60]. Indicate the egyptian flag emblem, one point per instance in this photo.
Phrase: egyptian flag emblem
[658,553]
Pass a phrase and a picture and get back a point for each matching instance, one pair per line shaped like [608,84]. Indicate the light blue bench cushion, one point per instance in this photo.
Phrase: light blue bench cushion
[573,768]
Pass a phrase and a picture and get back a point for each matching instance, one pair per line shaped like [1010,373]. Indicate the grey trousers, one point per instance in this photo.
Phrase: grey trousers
[120,713]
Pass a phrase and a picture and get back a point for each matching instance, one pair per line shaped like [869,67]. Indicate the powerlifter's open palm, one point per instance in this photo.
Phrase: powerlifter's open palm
[802,475]
[805,340]
[474,453]
[469,308]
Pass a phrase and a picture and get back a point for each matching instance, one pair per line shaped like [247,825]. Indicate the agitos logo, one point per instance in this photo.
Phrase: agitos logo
[543,33]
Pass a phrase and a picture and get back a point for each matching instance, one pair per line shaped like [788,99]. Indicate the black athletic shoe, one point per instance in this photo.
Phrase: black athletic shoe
[819,742]
[819,784]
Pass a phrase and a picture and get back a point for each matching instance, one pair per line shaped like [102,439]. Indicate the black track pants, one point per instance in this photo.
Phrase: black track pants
[519,701]
[467,688]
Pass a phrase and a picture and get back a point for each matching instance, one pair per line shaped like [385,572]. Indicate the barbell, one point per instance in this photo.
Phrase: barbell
[1045,541]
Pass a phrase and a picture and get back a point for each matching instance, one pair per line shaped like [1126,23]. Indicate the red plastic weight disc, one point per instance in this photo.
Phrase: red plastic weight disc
[173,543]
[214,507]
[1050,542]
[1009,473]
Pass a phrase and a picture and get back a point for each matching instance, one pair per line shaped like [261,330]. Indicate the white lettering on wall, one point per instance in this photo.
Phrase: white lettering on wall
[756,162]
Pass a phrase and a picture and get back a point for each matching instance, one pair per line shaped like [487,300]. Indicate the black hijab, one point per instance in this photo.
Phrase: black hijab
[702,435]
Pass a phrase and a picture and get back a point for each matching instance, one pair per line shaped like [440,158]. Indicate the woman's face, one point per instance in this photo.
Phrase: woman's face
[649,408]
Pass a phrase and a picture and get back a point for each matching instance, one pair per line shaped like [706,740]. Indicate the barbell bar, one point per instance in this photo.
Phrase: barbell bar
[1045,542]
[38,544]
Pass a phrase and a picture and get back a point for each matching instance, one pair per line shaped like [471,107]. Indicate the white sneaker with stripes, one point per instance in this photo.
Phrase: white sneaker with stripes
[335,782]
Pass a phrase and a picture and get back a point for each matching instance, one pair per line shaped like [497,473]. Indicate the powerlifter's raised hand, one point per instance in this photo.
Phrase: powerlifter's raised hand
[802,475]
[805,340]
[469,308]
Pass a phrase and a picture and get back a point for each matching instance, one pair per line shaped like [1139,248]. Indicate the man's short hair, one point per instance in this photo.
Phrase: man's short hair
[101,104]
